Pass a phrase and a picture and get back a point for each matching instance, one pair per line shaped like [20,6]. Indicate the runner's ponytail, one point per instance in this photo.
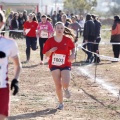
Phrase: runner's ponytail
[69,32]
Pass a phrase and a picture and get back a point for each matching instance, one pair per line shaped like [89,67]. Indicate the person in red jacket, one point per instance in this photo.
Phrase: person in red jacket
[61,52]
[30,27]
[8,49]
[115,37]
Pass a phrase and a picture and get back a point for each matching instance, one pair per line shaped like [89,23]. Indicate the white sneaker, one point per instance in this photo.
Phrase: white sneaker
[67,93]
[41,63]
[60,106]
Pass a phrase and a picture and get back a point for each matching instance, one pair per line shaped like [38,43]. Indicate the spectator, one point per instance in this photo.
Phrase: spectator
[64,20]
[34,17]
[81,23]
[97,38]
[24,15]
[75,27]
[59,16]
[39,17]
[115,37]
[68,14]
[54,18]
[20,20]
[15,26]
[89,37]
[9,19]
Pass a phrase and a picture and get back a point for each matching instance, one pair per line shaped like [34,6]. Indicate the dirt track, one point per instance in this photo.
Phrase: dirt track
[89,101]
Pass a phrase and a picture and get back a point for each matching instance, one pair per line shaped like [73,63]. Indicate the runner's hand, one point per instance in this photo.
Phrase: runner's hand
[53,49]
[71,57]
[14,86]
[24,33]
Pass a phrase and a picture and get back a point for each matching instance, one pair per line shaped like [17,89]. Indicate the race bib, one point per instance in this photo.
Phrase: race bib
[58,59]
[44,34]
[27,31]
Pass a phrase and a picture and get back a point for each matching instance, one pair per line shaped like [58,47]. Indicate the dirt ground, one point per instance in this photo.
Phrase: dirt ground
[89,100]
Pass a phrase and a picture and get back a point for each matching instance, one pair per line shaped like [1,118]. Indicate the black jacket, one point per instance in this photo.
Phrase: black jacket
[89,31]
[14,24]
[97,28]
[20,20]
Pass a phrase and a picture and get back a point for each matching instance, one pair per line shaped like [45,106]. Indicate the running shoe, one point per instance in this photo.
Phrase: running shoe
[41,63]
[26,61]
[60,106]
[67,93]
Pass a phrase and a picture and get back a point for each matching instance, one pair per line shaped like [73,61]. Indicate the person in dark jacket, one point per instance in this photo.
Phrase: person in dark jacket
[59,16]
[15,26]
[21,21]
[9,20]
[115,36]
[64,20]
[54,18]
[39,17]
[97,38]
[24,16]
[89,37]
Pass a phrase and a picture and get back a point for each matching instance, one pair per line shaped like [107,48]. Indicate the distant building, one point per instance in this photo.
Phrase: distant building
[20,5]
[48,6]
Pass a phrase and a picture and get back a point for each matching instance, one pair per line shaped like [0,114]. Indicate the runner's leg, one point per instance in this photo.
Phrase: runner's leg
[41,42]
[34,43]
[56,74]
[28,48]
[65,75]
[2,117]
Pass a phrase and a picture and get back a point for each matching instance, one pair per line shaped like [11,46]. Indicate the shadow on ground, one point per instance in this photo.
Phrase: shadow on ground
[33,115]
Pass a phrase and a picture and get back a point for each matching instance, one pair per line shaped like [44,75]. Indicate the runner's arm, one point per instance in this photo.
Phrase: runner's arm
[48,53]
[72,56]
[17,66]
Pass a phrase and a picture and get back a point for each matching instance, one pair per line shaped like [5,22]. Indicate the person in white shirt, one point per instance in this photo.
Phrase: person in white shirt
[8,49]
[81,23]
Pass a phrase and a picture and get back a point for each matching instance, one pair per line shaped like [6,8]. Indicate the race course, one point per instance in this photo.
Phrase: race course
[90,99]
